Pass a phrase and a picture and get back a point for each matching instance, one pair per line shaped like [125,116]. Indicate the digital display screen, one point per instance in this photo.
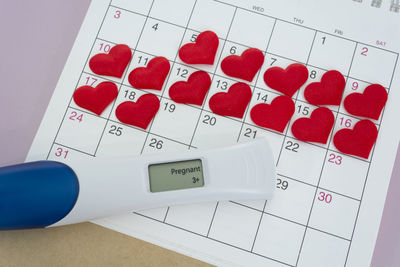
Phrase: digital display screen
[176,175]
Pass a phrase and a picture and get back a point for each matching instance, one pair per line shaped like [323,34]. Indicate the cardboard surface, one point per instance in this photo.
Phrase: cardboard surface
[84,244]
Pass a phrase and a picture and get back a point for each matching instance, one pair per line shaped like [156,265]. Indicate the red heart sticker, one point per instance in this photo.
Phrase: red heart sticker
[244,66]
[357,141]
[96,99]
[152,76]
[369,104]
[202,51]
[113,63]
[232,103]
[327,92]
[286,81]
[193,91]
[139,113]
[273,116]
[316,128]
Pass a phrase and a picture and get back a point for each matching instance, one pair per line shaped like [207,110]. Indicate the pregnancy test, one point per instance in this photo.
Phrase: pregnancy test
[50,193]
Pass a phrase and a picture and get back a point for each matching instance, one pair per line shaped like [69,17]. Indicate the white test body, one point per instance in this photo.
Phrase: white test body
[111,186]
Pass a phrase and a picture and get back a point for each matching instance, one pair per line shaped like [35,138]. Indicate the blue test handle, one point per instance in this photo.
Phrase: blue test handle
[36,194]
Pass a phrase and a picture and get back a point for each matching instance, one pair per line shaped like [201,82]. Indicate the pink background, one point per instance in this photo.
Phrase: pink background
[37,37]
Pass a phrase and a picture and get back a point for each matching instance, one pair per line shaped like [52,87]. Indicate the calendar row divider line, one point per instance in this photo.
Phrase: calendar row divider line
[125,73]
[366,179]
[80,76]
[73,149]
[252,11]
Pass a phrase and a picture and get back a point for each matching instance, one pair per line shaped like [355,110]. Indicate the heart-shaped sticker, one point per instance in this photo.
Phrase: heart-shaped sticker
[327,92]
[96,99]
[286,81]
[202,51]
[232,103]
[112,64]
[316,128]
[357,141]
[369,104]
[273,116]
[244,66]
[152,76]
[139,113]
[193,91]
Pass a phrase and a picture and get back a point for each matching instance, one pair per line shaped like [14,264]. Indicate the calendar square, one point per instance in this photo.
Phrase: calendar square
[158,144]
[283,245]
[218,17]
[117,27]
[81,131]
[234,49]
[261,29]
[92,80]
[304,110]
[373,65]
[100,47]
[292,200]
[176,121]
[160,9]
[314,76]
[332,251]
[140,59]
[180,72]
[332,53]
[346,122]
[291,41]
[160,39]
[355,86]
[119,139]
[127,94]
[142,6]
[269,62]
[156,214]
[333,213]
[214,130]
[249,132]
[343,174]
[308,157]
[195,217]
[241,230]
[190,37]
[219,84]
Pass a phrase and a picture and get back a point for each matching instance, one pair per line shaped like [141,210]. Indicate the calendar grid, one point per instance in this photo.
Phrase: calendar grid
[243,122]
[323,164]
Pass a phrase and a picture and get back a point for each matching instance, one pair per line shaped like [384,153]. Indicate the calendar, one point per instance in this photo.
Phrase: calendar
[328,204]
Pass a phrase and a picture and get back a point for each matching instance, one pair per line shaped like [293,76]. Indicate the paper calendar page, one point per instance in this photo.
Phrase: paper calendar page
[328,205]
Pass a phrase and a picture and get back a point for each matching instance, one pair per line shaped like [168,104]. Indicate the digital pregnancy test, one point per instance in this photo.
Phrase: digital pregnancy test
[49,193]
